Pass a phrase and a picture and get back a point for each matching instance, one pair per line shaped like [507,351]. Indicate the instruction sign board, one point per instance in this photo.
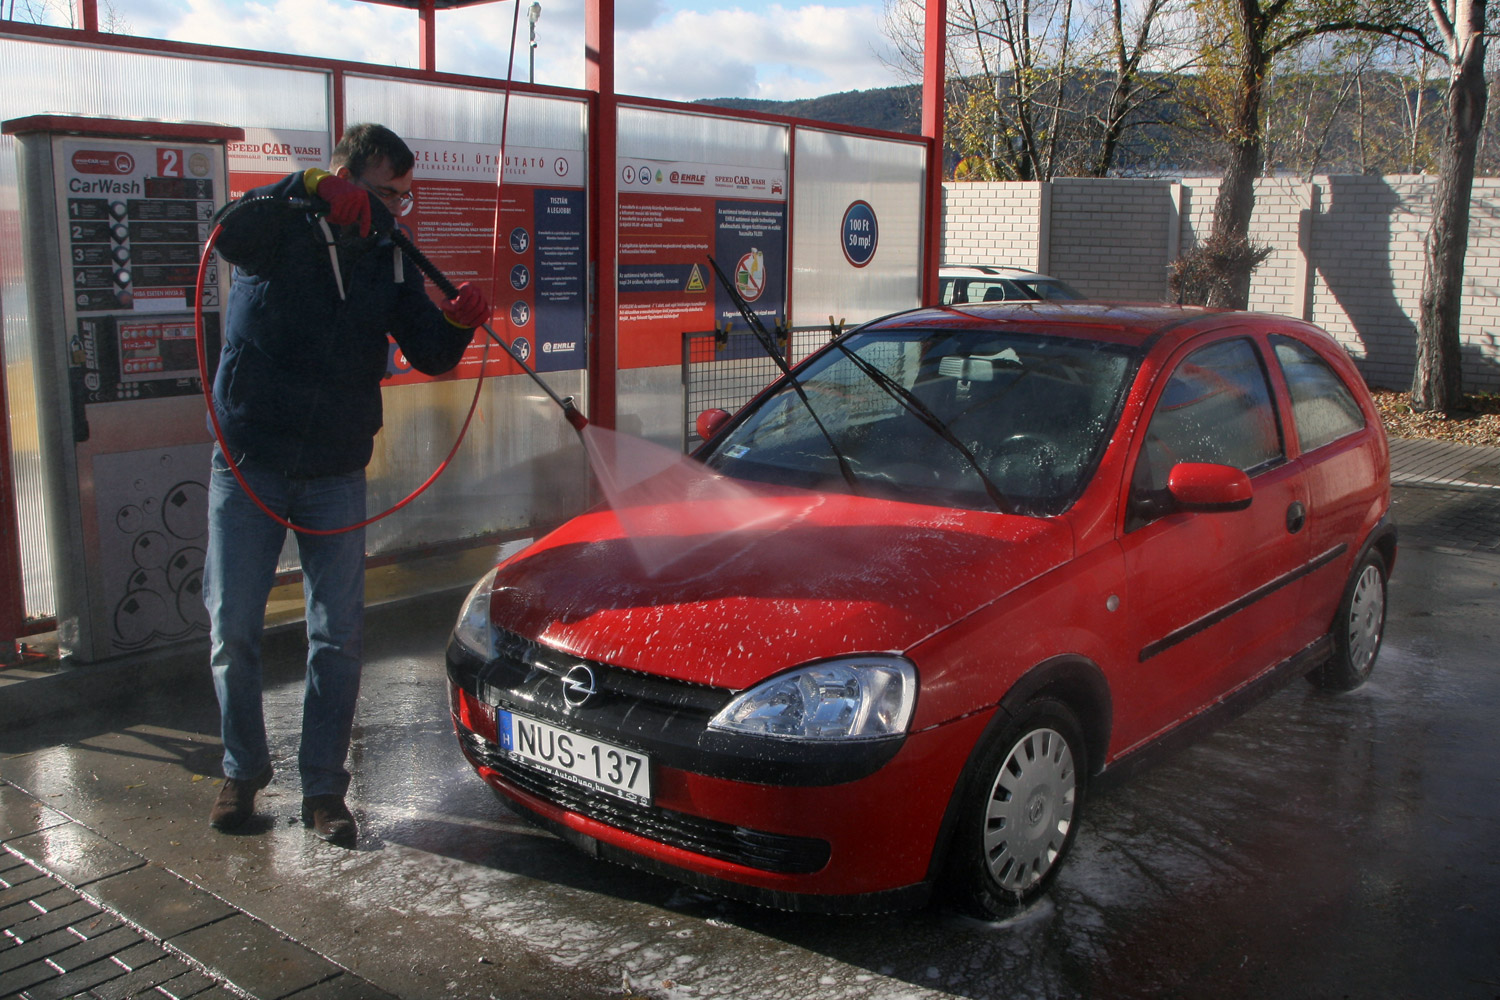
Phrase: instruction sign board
[672,216]
[533,275]
[135,217]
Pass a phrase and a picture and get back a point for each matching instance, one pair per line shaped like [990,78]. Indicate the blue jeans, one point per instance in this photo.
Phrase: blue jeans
[239,569]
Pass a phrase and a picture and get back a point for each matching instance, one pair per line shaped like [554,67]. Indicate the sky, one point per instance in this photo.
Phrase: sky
[670,49]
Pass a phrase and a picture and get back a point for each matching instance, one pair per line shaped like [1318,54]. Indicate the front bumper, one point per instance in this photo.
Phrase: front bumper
[861,839]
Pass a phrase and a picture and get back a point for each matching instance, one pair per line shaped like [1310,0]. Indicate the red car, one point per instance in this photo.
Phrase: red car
[963,563]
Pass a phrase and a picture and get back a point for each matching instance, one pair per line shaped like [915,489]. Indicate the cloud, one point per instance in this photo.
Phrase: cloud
[776,52]
[337,29]
[771,53]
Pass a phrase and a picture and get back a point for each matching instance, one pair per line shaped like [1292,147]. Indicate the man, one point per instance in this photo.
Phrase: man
[297,395]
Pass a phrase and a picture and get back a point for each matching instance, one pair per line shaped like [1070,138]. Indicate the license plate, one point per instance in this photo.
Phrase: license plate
[576,758]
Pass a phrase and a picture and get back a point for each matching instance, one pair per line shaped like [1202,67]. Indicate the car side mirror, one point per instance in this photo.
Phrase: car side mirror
[1206,487]
[709,422]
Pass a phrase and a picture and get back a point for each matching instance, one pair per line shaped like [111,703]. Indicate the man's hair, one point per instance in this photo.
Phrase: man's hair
[366,144]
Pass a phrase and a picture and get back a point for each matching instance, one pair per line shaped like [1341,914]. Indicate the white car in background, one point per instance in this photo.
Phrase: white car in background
[961,283]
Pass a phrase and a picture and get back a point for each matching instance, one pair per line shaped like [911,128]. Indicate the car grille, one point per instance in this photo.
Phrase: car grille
[771,852]
[530,675]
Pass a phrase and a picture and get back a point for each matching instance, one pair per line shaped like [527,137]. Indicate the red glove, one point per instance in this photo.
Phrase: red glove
[467,308]
[348,203]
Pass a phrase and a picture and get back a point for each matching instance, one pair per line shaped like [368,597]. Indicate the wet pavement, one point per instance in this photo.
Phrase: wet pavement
[1319,846]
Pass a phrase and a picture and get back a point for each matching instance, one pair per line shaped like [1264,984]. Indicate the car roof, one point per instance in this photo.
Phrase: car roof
[1133,323]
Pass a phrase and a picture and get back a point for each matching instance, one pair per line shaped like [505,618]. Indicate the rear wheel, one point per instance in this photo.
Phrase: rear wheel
[1020,815]
[1357,629]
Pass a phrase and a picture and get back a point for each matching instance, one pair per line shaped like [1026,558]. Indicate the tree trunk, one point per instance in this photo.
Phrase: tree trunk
[1438,381]
[1236,201]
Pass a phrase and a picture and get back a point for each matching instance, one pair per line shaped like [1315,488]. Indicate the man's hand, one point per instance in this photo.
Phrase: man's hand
[348,204]
[468,308]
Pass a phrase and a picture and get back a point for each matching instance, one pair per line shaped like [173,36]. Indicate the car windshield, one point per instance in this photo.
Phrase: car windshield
[1033,411]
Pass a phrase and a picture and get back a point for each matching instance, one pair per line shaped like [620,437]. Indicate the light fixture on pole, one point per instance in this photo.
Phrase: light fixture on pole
[533,14]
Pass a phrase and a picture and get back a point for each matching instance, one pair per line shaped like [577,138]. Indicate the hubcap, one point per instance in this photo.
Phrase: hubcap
[1366,619]
[1030,809]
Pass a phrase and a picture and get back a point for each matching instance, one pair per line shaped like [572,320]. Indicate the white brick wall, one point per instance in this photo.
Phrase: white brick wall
[1348,252]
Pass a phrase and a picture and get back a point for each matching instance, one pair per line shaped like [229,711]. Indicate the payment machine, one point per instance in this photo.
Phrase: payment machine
[115,215]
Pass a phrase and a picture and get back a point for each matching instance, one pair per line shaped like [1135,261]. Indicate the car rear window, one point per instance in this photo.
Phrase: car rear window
[1322,406]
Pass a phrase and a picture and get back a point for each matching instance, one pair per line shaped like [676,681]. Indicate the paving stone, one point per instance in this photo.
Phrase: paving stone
[189,984]
[142,980]
[19,875]
[217,993]
[159,901]
[139,955]
[26,976]
[26,891]
[255,958]
[52,920]
[75,854]
[37,949]
[93,949]
[76,981]
[21,814]
[45,903]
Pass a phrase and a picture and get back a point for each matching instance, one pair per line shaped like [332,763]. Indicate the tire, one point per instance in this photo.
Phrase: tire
[1020,813]
[1358,628]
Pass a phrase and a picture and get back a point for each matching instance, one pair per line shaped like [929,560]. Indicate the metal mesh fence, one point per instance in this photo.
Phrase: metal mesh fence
[724,369]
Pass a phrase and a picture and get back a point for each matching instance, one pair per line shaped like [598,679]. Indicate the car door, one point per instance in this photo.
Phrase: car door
[1211,595]
[1342,462]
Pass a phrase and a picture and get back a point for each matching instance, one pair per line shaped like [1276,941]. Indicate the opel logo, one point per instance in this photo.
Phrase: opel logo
[578,686]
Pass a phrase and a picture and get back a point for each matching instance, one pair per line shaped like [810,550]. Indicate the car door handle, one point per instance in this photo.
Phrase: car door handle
[1296,517]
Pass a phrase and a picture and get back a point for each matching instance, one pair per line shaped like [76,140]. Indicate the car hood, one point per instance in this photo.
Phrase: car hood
[729,591]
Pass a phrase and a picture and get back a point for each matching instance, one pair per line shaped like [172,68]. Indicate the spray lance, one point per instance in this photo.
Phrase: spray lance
[449,290]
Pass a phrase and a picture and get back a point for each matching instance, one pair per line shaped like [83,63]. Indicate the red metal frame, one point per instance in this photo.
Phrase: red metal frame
[427,35]
[934,98]
[599,77]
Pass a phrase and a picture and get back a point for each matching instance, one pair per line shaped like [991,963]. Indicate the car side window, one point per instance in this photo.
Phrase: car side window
[1323,408]
[1216,407]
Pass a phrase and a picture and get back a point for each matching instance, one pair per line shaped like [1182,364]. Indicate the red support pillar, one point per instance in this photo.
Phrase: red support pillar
[86,14]
[336,98]
[427,36]
[934,92]
[599,77]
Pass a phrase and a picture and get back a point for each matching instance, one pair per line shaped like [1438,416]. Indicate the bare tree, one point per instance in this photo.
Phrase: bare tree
[1043,88]
[1438,380]
[63,13]
[1242,41]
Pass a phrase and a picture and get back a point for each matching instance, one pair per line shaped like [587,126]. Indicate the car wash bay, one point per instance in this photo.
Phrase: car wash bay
[1317,846]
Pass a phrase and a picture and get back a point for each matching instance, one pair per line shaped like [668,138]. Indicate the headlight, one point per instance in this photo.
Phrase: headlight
[474,631]
[858,698]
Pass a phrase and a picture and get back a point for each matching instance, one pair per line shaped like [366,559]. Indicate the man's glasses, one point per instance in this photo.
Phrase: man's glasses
[399,202]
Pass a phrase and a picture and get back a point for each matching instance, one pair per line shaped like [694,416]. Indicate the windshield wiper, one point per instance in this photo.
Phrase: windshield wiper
[920,410]
[758,328]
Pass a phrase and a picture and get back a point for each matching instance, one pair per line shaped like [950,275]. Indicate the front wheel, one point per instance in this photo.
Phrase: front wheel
[1357,629]
[1020,815]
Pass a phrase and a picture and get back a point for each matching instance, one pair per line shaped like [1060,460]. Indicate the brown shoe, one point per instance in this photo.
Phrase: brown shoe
[330,819]
[236,801]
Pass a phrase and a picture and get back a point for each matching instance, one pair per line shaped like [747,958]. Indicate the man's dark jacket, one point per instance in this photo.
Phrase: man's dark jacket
[298,385]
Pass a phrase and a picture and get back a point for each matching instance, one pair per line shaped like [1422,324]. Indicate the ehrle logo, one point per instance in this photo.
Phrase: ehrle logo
[103,161]
[579,685]
[549,347]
